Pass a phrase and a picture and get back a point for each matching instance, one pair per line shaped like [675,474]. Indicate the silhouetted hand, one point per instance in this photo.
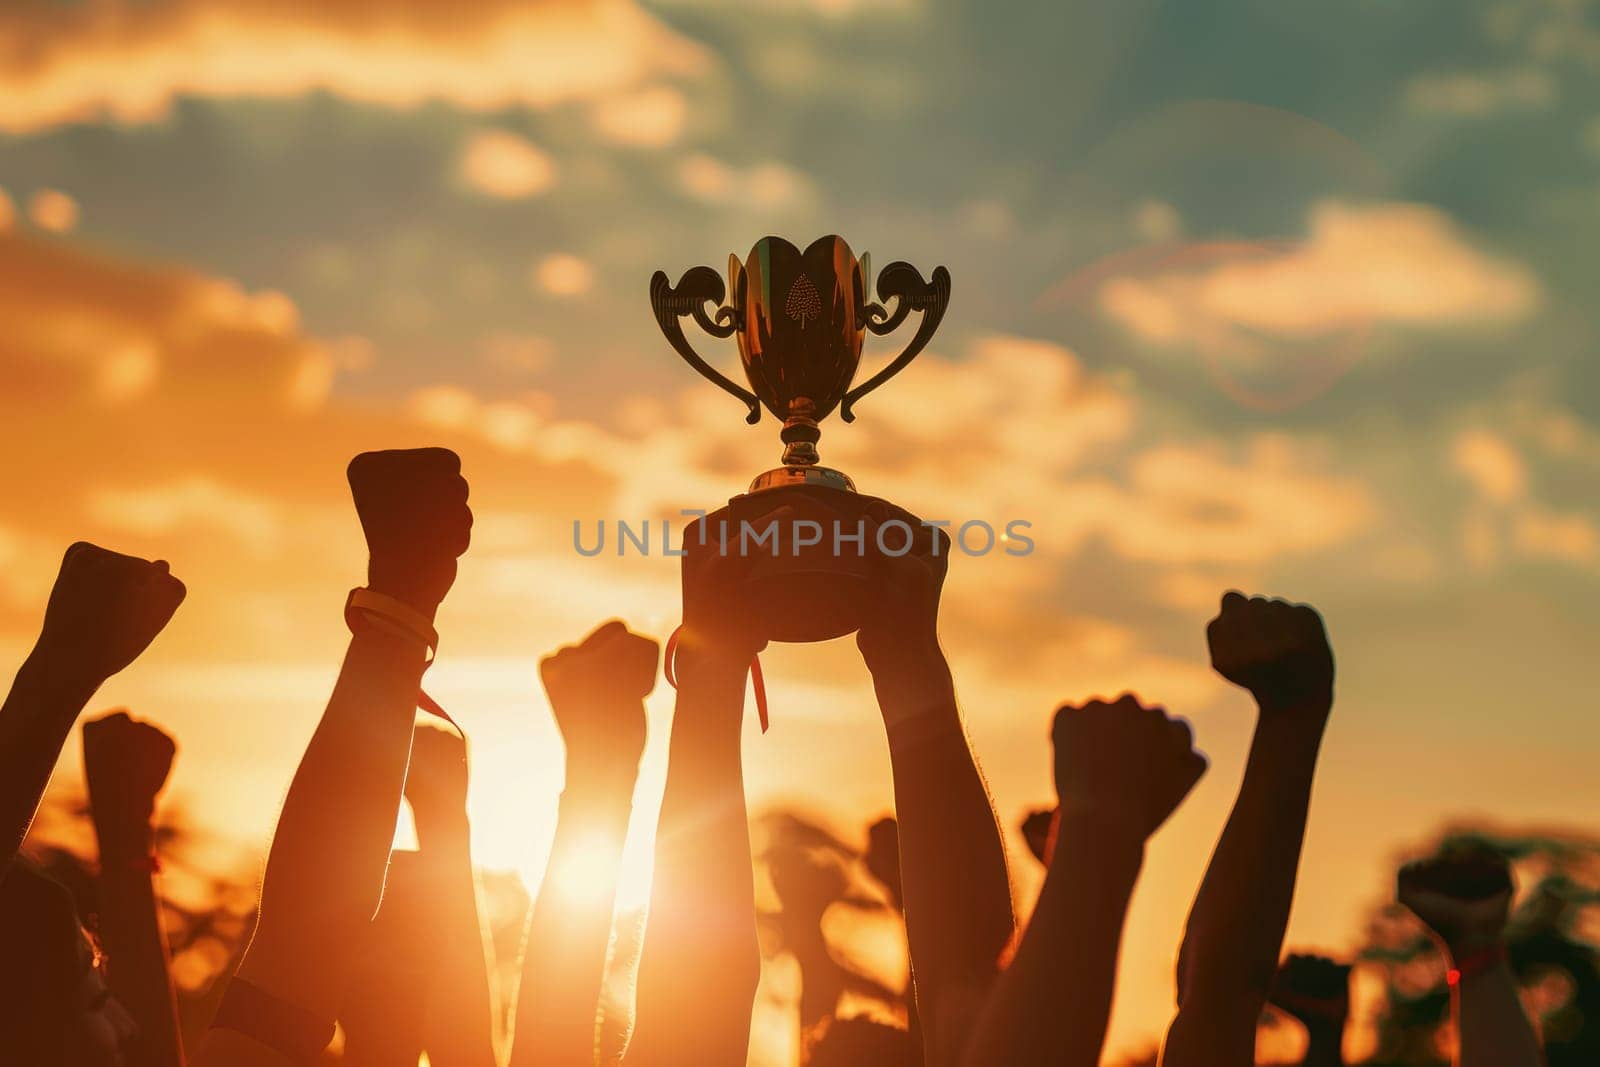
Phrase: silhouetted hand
[1464,896]
[1277,650]
[722,617]
[882,857]
[597,689]
[899,636]
[1313,989]
[413,508]
[436,777]
[1123,763]
[104,611]
[1036,827]
[125,764]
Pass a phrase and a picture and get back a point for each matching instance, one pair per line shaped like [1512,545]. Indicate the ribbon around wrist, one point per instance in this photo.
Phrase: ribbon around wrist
[368,608]
[1475,963]
[756,680]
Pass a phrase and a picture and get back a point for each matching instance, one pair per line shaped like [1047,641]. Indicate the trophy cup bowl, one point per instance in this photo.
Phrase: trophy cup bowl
[800,318]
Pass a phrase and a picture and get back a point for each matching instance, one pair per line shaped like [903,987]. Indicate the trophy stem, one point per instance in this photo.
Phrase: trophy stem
[800,435]
[800,467]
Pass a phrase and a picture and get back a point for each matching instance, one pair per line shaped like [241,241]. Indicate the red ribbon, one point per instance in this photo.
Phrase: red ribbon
[1475,963]
[756,680]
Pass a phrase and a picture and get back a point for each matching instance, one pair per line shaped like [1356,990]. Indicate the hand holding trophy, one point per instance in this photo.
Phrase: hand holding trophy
[800,319]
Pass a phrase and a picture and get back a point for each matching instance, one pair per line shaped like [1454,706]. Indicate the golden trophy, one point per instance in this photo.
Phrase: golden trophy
[800,319]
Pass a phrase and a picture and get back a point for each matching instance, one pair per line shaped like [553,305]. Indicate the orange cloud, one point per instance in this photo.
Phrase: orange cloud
[1385,264]
[1491,464]
[563,274]
[763,186]
[53,211]
[503,165]
[650,117]
[128,62]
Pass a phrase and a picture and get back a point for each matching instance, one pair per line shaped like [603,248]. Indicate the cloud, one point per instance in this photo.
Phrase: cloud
[128,62]
[1198,503]
[78,325]
[1491,464]
[1481,94]
[53,211]
[1518,469]
[833,9]
[503,165]
[517,353]
[761,186]
[650,117]
[1547,535]
[1403,265]
[562,274]
[186,503]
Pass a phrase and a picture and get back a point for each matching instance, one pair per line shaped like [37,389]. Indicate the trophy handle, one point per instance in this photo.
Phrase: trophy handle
[698,287]
[905,282]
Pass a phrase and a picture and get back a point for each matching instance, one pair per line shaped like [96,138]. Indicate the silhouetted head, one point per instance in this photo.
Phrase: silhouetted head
[805,883]
[863,1042]
[58,1011]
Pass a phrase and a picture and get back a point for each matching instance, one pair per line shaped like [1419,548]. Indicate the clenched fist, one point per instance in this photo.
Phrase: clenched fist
[597,689]
[413,508]
[104,611]
[1275,649]
[900,614]
[125,765]
[722,617]
[1123,762]
[1463,895]
[1313,989]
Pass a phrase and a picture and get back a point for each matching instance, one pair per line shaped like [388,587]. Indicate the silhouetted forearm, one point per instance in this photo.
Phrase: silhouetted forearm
[1324,1045]
[37,716]
[1051,1005]
[564,961]
[136,946]
[1235,930]
[957,890]
[1494,1030]
[324,875]
[460,1024]
[701,961]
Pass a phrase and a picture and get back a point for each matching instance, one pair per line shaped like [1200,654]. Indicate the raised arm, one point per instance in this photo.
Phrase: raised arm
[701,963]
[324,875]
[1279,652]
[125,764]
[596,690]
[1464,897]
[104,611]
[422,980]
[384,1014]
[953,866]
[1316,991]
[460,1020]
[1120,770]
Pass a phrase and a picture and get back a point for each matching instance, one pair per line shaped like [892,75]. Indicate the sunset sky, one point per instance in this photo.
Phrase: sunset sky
[1293,297]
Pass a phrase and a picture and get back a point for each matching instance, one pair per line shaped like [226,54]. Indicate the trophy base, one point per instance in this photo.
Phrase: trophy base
[808,592]
[784,477]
